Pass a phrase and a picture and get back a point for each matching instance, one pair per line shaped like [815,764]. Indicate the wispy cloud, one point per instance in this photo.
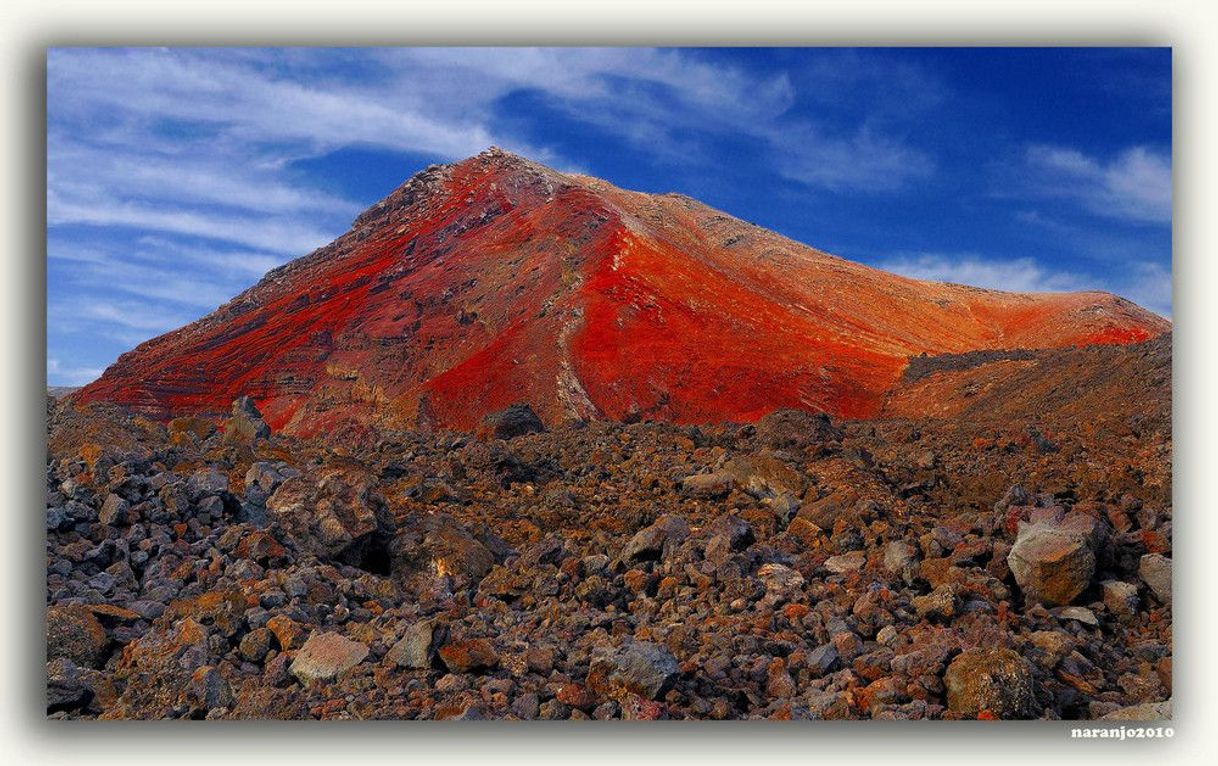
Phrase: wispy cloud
[70,376]
[1146,283]
[1134,185]
[1019,275]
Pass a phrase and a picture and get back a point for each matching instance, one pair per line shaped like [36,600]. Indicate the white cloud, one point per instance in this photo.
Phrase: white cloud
[281,236]
[1146,283]
[864,160]
[1019,275]
[58,375]
[1134,185]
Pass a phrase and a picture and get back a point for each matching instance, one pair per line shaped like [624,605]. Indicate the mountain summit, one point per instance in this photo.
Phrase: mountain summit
[497,280]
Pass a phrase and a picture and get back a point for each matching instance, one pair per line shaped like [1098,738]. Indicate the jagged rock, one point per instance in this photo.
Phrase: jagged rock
[417,649]
[846,562]
[1155,571]
[335,512]
[469,655]
[115,511]
[994,681]
[765,475]
[786,429]
[651,542]
[73,633]
[208,690]
[66,690]
[1121,598]
[901,559]
[939,604]
[1053,560]
[639,667]
[516,420]
[246,425]
[325,655]
[708,486]
[439,546]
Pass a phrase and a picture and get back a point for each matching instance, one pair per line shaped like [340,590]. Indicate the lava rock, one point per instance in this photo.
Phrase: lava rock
[516,420]
[651,542]
[787,429]
[66,690]
[1054,560]
[639,667]
[417,649]
[1155,571]
[336,513]
[73,633]
[708,486]
[1120,597]
[245,426]
[325,655]
[469,655]
[997,682]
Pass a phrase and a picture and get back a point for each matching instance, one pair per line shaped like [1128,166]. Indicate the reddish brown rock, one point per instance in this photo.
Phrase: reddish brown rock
[469,655]
[993,682]
[73,633]
[326,655]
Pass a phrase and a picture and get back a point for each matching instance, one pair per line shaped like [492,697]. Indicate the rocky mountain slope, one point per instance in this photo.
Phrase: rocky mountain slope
[497,280]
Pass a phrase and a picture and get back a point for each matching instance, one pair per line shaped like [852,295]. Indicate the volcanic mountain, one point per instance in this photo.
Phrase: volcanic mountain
[497,280]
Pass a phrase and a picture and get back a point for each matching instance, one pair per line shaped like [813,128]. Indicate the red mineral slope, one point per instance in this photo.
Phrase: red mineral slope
[496,280]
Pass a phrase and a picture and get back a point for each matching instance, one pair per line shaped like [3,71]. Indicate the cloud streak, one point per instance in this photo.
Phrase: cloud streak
[1144,282]
[1135,185]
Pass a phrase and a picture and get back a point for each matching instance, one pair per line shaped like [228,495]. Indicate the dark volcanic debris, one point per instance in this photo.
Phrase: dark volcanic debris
[797,569]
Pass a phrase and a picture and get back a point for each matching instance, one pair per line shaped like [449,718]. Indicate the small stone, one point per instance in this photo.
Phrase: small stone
[779,684]
[846,562]
[526,707]
[208,689]
[782,583]
[1078,614]
[576,696]
[115,511]
[255,644]
[516,420]
[997,682]
[417,648]
[650,542]
[901,559]
[823,659]
[1155,571]
[65,688]
[939,604]
[288,634]
[325,655]
[707,486]
[1120,597]
[640,667]
[74,633]
[469,655]
[1054,646]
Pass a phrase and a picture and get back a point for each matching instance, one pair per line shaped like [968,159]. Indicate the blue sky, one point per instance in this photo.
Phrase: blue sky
[177,177]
